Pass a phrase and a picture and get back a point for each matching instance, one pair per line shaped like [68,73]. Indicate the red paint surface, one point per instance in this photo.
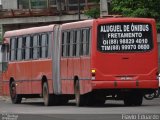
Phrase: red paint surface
[141,66]
[110,68]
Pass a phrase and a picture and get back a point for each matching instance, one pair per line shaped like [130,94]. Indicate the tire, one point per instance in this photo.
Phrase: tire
[127,100]
[62,101]
[100,101]
[80,100]
[138,99]
[96,99]
[48,98]
[133,99]
[15,98]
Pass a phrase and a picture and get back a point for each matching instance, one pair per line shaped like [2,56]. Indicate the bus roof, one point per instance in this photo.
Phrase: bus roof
[87,23]
[72,25]
[124,19]
[78,24]
[26,31]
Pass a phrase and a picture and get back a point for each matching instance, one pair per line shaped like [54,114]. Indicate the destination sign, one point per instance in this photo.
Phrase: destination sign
[124,37]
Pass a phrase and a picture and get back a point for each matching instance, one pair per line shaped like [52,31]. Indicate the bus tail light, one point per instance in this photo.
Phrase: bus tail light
[93,72]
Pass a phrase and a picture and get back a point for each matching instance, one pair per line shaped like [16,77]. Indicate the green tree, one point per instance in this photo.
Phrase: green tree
[138,8]
[93,12]
[131,8]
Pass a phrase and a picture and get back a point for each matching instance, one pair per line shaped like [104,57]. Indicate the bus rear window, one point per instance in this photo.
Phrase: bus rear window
[125,37]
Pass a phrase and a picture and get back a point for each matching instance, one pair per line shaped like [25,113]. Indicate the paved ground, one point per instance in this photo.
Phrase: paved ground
[33,108]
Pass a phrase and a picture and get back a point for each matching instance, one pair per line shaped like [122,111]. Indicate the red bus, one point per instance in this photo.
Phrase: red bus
[91,61]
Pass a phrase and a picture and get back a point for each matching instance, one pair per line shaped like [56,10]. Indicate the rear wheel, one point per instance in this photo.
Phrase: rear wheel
[16,99]
[80,100]
[95,99]
[63,101]
[100,99]
[48,98]
[133,99]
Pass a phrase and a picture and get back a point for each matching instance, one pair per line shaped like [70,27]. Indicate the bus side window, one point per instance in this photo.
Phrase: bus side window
[74,43]
[78,52]
[84,41]
[49,44]
[23,48]
[88,41]
[19,48]
[44,45]
[4,57]
[27,48]
[31,47]
[35,47]
[13,49]
[68,44]
[64,44]
[71,43]
[16,48]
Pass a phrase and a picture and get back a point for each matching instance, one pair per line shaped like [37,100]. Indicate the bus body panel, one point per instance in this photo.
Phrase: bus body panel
[41,68]
[23,75]
[127,69]
[28,74]
[76,66]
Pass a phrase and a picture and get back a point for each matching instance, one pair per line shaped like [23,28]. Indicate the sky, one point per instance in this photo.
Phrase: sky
[0,1]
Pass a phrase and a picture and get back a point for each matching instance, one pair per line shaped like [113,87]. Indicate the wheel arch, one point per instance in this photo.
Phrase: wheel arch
[75,79]
[43,80]
[11,80]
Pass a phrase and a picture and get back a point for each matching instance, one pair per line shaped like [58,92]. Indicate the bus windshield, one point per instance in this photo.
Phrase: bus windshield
[125,37]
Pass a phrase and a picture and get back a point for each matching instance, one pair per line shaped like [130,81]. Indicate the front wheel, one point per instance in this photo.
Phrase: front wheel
[16,99]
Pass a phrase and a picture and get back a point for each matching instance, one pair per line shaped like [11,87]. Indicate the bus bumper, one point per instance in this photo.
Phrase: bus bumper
[141,84]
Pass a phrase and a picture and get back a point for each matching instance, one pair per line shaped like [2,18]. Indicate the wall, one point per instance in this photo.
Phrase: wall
[9,4]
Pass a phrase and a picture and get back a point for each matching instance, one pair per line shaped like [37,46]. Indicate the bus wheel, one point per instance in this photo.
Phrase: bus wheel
[78,97]
[62,101]
[133,98]
[138,99]
[48,99]
[128,100]
[16,99]
[96,99]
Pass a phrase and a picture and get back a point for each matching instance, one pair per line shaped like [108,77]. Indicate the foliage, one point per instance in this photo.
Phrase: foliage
[93,13]
[138,8]
[131,8]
